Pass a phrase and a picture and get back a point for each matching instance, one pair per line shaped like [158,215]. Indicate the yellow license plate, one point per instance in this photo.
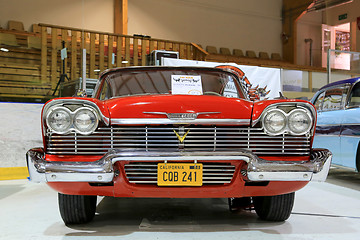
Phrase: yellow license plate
[179,174]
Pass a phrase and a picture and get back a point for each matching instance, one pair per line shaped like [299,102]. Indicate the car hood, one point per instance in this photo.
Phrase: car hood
[149,106]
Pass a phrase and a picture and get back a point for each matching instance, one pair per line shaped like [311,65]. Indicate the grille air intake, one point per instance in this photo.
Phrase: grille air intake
[198,138]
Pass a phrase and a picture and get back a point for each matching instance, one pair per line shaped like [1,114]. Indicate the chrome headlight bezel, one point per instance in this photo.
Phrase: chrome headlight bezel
[72,114]
[304,108]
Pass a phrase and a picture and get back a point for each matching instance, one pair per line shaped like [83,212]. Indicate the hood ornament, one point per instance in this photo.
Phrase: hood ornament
[181,116]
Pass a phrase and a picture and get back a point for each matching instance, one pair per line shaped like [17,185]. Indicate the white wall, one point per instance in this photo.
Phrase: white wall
[89,14]
[247,25]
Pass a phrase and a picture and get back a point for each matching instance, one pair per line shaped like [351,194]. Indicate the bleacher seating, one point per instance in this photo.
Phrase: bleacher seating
[264,55]
[276,56]
[225,51]
[211,50]
[250,54]
[8,39]
[34,42]
[16,25]
[36,28]
[238,52]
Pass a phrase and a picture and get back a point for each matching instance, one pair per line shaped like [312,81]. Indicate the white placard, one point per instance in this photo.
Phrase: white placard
[262,77]
[63,53]
[186,84]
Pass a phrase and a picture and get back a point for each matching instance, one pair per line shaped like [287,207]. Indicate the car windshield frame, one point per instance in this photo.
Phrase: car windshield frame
[116,83]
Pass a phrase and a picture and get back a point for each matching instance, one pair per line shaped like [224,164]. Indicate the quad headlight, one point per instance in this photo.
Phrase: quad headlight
[59,120]
[62,120]
[298,121]
[275,121]
[85,120]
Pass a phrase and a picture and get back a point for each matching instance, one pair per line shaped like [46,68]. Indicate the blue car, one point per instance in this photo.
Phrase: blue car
[338,122]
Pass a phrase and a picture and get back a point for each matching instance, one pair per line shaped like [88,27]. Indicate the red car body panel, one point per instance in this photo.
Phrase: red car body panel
[135,106]
[122,188]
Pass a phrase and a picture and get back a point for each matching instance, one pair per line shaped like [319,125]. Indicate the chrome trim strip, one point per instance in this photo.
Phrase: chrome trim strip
[181,116]
[349,136]
[337,136]
[330,125]
[327,135]
[218,121]
[335,125]
[284,176]
[102,170]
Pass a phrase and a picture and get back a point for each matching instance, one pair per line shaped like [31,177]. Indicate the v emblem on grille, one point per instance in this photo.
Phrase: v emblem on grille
[181,139]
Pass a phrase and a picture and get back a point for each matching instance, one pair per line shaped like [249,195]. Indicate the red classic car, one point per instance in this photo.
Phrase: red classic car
[176,132]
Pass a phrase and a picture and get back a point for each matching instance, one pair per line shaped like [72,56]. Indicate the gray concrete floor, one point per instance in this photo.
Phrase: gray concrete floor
[329,210]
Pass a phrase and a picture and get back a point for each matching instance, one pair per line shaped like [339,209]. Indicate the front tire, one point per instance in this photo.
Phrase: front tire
[358,159]
[76,209]
[274,208]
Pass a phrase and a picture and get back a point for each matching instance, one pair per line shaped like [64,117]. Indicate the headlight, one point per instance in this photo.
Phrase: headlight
[63,120]
[274,121]
[85,121]
[59,120]
[283,119]
[299,122]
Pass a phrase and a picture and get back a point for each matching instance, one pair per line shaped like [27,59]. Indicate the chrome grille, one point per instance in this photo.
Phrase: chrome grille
[199,138]
[146,173]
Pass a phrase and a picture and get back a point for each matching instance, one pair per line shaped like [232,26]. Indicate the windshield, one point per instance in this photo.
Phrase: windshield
[185,81]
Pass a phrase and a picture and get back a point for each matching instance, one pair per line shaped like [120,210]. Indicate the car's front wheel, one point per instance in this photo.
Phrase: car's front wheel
[77,209]
[274,208]
[358,159]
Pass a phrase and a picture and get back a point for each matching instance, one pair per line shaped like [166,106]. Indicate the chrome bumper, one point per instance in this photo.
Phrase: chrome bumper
[102,171]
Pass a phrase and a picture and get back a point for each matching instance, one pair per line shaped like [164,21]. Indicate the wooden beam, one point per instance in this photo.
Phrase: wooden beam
[54,75]
[101,52]
[292,11]
[119,47]
[73,55]
[110,51]
[43,54]
[121,16]
[92,55]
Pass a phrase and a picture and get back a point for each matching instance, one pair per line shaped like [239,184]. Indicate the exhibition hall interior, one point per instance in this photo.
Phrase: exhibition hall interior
[180,119]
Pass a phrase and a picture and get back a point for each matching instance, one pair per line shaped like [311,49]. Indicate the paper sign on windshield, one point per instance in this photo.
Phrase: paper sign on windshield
[186,84]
